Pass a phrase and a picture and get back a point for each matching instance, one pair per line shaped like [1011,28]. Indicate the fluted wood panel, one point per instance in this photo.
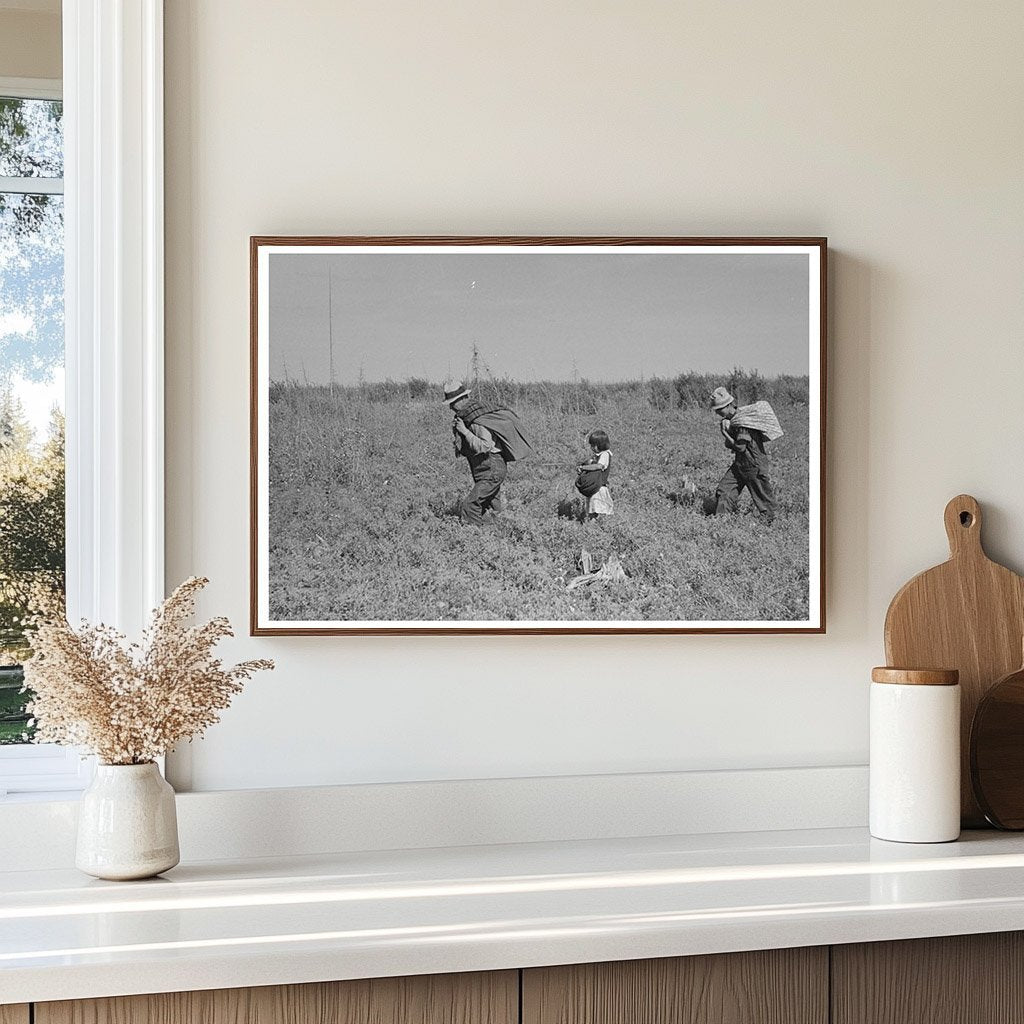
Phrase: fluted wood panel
[778,986]
[962,979]
[14,1014]
[484,998]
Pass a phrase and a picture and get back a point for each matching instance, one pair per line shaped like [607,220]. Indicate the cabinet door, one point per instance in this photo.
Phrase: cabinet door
[777,986]
[14,1014]
[490,998]
[962,979]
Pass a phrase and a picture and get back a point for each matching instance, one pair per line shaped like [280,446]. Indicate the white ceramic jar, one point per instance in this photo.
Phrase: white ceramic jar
[915,755]
[127,823]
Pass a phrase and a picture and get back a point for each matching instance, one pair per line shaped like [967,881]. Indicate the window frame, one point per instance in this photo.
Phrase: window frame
[112,90]
[32,88]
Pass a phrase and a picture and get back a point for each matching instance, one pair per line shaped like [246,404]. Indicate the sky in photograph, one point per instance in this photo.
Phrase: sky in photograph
[547,316]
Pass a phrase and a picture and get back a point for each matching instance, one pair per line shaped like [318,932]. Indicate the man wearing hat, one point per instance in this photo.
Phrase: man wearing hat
[488,438]
[745,431]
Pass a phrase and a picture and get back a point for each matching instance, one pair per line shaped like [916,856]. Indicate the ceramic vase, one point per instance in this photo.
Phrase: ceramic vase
[127,825]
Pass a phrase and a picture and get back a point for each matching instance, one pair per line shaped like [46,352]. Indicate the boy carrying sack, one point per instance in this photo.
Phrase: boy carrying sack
[746,429]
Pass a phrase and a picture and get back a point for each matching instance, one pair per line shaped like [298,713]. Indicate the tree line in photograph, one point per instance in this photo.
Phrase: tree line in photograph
[684,391]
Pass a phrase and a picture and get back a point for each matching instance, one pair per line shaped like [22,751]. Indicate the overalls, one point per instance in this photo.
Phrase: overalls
[489,471]
[749,470]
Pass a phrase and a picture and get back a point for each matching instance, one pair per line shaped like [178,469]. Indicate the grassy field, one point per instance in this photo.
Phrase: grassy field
[363,488]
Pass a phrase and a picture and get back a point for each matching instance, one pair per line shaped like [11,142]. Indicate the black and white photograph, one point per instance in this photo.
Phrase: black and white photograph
[537,435]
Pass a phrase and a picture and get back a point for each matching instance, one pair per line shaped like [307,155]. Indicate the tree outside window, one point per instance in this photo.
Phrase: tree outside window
[32,545]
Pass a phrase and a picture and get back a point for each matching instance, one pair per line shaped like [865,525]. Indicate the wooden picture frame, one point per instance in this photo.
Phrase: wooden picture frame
[359,518]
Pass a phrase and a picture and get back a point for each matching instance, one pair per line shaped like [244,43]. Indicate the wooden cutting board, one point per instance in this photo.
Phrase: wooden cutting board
[967,614]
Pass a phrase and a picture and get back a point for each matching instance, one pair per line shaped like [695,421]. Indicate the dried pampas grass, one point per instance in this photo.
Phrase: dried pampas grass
[130,703]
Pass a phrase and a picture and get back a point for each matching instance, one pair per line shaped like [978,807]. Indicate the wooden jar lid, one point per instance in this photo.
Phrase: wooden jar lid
[916,676]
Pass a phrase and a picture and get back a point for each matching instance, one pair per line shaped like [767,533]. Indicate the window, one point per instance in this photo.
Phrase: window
[32,532]
[113,329]
[31,382]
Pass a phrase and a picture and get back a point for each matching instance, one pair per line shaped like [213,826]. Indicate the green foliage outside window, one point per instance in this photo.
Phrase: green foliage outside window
[31,352]
[31,548]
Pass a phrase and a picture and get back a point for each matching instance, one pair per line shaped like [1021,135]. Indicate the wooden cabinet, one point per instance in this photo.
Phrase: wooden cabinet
[777,986]
[491,998]
[962,979]
[967,979]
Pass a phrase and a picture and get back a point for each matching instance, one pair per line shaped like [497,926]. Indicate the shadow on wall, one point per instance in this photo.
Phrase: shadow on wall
[854,288]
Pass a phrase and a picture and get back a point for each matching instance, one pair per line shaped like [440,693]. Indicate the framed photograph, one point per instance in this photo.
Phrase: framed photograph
[537,435]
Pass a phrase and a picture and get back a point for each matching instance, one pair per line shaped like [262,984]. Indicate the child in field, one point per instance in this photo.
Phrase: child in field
[592,482]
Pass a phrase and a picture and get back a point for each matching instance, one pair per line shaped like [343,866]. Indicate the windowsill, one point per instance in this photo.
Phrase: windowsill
[388,913]
[42,772]
[40,798]
[37,830]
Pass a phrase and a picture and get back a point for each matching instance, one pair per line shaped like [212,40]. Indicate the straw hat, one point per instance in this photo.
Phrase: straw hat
[453,392]
[720,398]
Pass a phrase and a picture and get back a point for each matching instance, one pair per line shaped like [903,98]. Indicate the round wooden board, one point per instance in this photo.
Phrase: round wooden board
[997,752]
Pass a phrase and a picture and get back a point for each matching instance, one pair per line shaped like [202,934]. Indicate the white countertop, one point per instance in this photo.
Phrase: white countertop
[227,924]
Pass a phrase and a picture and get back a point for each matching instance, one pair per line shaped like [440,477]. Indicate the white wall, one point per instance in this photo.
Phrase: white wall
[895,129]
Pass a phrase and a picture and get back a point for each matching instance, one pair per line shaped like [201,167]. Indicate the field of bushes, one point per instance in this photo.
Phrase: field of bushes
[364,487]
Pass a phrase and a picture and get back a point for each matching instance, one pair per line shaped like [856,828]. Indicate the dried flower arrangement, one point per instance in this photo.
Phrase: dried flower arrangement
[130,703]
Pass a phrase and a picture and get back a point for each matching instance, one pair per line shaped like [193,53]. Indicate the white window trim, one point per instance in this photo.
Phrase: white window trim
[32,186]
[42,768]
[114,325]
[32,88]
[113,169]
